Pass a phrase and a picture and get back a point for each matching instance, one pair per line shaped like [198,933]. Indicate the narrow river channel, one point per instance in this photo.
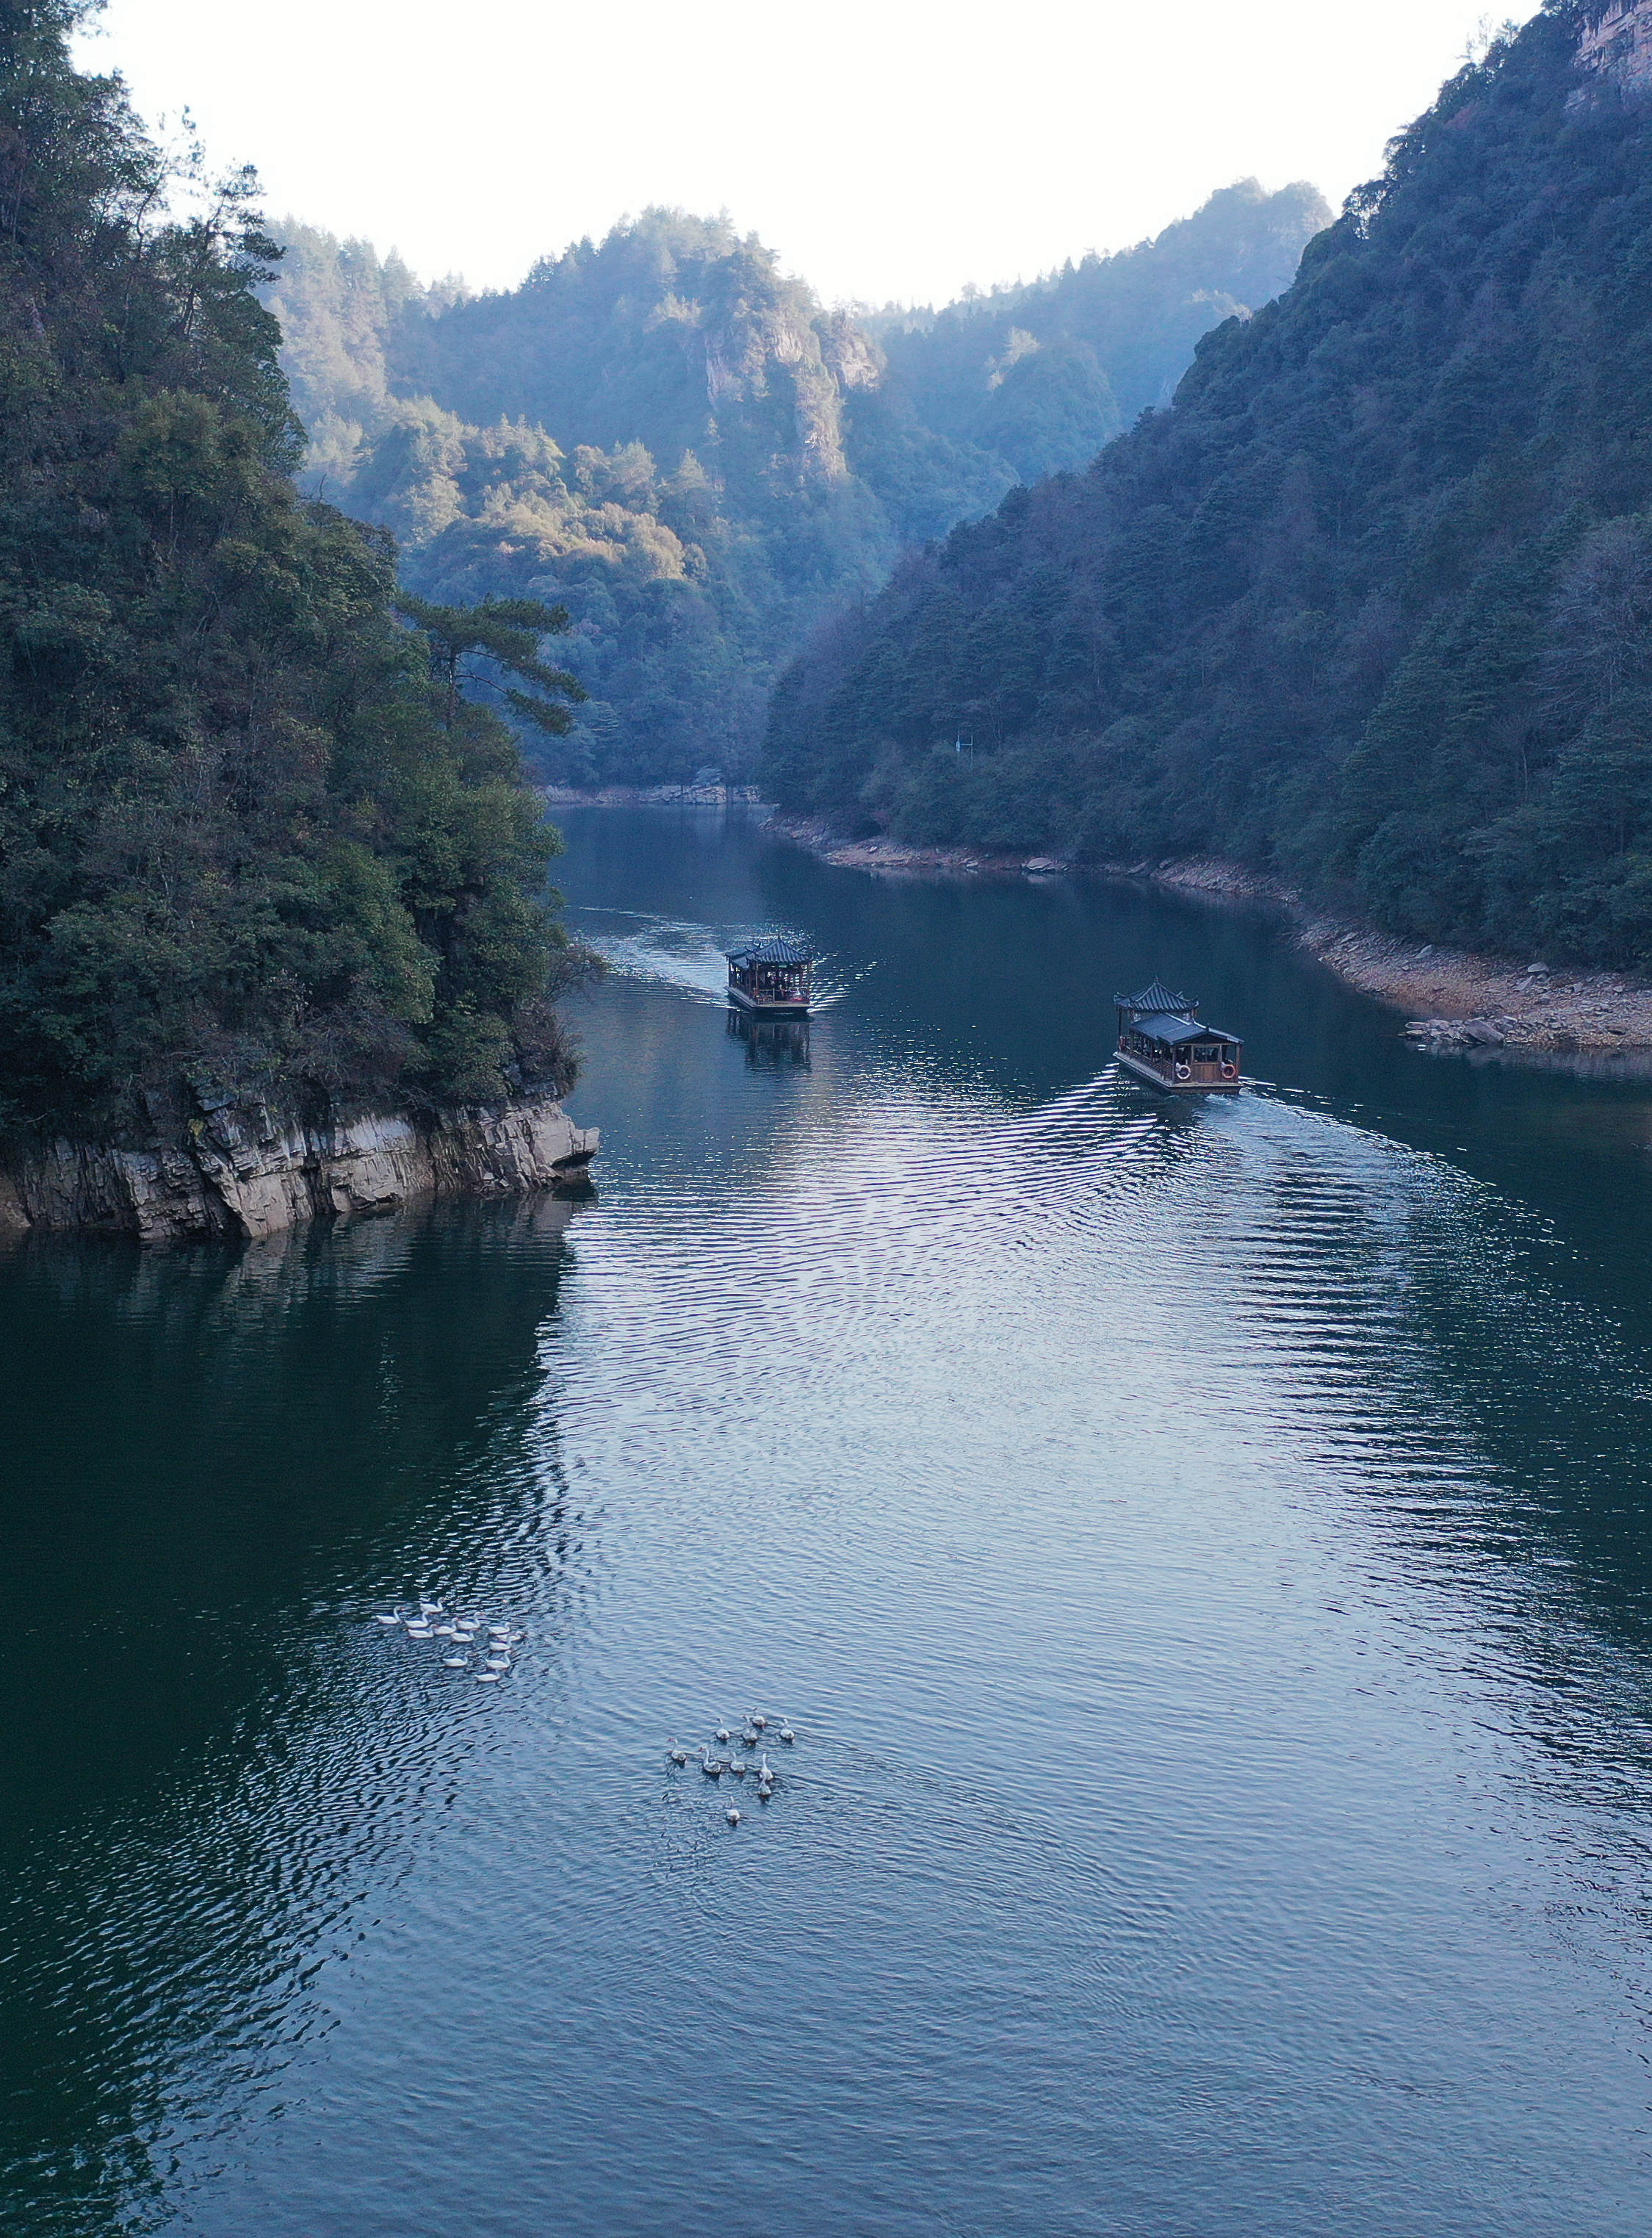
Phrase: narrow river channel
[1203,1553]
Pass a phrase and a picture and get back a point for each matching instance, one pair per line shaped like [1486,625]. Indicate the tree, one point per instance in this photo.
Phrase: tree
[245,837]
[467,644]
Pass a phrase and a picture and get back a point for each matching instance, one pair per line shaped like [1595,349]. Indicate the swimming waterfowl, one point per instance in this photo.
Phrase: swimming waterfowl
[723,1734]
[764,1790]
[733,1816]
[489,1678]
[679,1754]
[787,1735]
[455,1662]
[712,1766]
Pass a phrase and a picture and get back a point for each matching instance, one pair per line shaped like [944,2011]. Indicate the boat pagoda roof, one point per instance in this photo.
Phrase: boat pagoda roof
[771,951]
[1175,1031]
[1157,999]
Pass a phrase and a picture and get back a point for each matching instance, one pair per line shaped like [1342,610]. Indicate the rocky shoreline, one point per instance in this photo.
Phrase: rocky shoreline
[650,796]
[1458,1001]
[238,1170]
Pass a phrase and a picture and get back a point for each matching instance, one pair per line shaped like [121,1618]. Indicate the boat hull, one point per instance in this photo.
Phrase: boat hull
[753,1009]
[1145,1072]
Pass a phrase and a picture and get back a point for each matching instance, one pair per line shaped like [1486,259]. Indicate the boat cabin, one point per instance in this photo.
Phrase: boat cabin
[1161,1041]
[772,978]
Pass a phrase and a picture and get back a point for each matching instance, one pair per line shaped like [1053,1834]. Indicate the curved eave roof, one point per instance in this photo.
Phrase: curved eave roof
[1158,1000]
[770,951]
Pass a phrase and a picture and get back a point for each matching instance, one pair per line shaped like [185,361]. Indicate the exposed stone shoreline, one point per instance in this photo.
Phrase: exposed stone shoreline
[1457,1000]
[239,1169]
[650,796]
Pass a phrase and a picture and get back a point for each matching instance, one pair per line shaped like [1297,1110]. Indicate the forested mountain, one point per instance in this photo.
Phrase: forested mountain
[1041,376]
[1371,606]
[666,433]
[245,836]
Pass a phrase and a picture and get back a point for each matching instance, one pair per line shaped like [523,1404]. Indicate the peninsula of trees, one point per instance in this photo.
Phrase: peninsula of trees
[248,835]
[1370,606]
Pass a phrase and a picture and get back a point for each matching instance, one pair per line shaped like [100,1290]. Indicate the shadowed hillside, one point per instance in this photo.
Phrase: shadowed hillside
[667,433]
[1369,606]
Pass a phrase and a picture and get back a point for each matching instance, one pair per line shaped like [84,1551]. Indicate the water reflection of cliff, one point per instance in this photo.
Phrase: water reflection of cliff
[216,1464]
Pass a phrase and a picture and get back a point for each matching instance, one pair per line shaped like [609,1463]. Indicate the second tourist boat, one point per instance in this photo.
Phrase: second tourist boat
[1161,1041]
[772,978]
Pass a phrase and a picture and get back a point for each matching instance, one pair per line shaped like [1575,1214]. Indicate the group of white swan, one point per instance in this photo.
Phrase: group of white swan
[736,1767]
[458,1634]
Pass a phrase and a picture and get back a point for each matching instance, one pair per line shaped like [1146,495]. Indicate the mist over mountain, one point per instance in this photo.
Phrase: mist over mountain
[1370,605]
[667,433]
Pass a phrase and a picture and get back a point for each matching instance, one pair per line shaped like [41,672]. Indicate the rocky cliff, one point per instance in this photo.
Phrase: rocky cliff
[241,1170]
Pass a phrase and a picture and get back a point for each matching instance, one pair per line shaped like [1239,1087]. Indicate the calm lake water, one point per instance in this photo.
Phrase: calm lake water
[1204,1552]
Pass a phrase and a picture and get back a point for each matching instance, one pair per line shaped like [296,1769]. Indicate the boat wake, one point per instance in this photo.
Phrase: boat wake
[689,957]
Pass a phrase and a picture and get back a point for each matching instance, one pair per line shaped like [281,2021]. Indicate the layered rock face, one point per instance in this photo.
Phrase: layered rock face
[241,1170]
[1617,40]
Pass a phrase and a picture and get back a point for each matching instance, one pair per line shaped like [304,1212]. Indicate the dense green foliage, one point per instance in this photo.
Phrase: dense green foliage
[1371,607]
[664,432]
[242,834]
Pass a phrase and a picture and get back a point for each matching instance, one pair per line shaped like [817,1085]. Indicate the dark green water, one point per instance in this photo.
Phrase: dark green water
[1204,1552]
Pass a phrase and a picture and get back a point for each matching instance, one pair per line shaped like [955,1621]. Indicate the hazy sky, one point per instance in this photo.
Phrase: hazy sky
[886,148]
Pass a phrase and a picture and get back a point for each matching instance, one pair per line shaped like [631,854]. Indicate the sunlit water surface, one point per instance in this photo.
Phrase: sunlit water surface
[1202,1552]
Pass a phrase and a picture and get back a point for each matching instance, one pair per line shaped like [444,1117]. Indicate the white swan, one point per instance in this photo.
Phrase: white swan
[710,1765]
[754,1717]
[738,1767]
[764,1790]
[722,1733]
[679,1753]
[455,1662]
[394,1618]
[489,1678]
[418,1632]
[787,1735]
[733,1816]
[765,1770]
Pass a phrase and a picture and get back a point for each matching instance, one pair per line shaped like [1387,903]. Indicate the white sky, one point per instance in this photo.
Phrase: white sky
[887,149]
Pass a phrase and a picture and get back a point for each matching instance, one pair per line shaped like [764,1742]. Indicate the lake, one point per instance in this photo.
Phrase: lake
[1202,1552]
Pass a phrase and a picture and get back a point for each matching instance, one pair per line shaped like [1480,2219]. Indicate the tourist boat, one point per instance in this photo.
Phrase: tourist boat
[772,978]
[1161,1041]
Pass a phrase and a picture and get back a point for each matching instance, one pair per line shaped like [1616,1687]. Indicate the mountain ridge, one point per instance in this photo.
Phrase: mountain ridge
[667,433]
